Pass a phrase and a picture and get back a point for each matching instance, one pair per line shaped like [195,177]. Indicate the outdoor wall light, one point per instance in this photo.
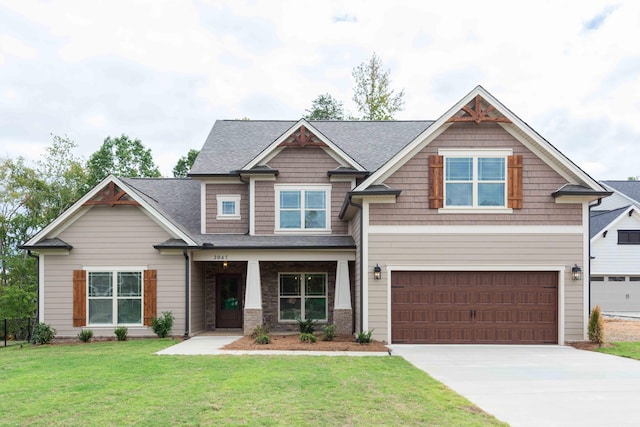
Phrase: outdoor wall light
[576,272]
[377,272]
[225,265]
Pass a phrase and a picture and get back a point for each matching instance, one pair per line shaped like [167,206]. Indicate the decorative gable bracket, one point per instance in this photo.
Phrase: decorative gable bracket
[302,138]
[111,196]
[477,114]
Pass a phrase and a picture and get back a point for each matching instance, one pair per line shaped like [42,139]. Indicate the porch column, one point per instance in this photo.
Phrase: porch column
[342,311]
[253,298]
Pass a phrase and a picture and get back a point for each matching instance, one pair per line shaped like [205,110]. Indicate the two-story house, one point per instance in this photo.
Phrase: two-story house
[468,229]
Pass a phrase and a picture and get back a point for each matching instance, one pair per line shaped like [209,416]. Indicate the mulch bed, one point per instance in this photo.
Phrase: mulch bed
[292,342]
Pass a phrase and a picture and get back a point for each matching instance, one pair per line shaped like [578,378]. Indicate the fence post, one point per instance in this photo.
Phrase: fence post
[5,332]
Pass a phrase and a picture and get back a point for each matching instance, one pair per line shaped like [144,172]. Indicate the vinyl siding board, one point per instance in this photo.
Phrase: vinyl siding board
[228,226]
[613,259]
[197,297]
[477,250]
[112,237]
[538,181]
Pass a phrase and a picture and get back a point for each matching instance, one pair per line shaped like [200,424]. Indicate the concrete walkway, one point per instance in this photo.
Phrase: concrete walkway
[536,385]
[213,345]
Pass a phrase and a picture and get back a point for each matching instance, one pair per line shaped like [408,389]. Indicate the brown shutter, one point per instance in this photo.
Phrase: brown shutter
[150,286]
[514,181]
[79,298]
[436,181]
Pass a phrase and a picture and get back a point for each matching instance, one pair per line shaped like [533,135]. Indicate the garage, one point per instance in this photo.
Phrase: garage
[481,307]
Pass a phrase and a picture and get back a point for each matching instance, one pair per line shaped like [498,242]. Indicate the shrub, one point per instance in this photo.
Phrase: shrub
[262,339]
[307,337]
[85,335]
[328,332]
[307,326]
[260,330]
[596,326]
[162,325]
[43,333]
[121,333]
[364,337]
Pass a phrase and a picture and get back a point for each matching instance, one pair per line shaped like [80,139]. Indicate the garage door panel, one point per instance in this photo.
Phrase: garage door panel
[474,307]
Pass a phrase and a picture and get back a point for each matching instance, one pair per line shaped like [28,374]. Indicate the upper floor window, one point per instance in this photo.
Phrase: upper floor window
[302,208]
[629,237]
[228,206]
[475,182]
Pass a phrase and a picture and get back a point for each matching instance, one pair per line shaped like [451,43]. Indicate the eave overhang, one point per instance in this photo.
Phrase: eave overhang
[578,194]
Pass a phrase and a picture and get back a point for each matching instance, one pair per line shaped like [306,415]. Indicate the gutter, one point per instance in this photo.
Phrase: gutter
[359,206]
[186,293]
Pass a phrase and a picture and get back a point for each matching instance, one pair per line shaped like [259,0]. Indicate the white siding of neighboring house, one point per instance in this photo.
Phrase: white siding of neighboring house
[612,258]
[118,236]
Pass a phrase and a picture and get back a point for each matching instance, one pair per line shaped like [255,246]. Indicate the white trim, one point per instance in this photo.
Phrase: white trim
[278,255]
[263,157]
[476,229]
[41,278]
[586,272]
[203,207]
[475,152]
[277,188]
[475,210]
[109,268]
[252,206]
[342,297]
[221,199]
[365,261]
[560,269]
[253,286]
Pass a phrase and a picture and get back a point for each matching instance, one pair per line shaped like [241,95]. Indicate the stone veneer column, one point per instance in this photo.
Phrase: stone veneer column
[253,298]
[342,311]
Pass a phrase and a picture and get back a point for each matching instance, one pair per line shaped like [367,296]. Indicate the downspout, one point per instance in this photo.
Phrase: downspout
[186,293]
[37,258]
[589,278]
[359,206]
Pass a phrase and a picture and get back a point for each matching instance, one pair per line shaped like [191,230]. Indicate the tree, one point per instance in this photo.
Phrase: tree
[182,168]
[325,107]
[122,157]
[372,94]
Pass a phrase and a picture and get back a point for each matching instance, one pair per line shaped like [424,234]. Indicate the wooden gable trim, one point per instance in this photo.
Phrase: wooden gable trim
[79,298]
[436,181]
[477,114]
[302,138]
[514,182]
[150,296]
[111,195]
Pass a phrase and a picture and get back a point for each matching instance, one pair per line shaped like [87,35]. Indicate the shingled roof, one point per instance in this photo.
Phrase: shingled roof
[601,219]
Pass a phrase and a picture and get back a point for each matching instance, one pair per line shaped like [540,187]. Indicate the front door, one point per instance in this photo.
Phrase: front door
[228,301]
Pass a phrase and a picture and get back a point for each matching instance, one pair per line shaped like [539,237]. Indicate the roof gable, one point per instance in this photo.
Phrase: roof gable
[603,221]
[629,189]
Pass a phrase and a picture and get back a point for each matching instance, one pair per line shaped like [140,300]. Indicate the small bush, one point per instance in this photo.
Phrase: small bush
[307,337]
[364,337]
[328,332]
[596,326]
[260,330]
[43,333]
[85,335]
[121,333]
[307,326]
[162,325]
[262,339]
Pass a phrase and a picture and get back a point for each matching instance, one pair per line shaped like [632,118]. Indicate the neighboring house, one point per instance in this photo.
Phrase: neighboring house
[460,230]
[615,249]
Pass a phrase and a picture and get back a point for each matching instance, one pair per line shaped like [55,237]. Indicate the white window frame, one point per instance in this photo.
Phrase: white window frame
[114,297]
[303,188]
[303,296]
[224,198]
[475,154]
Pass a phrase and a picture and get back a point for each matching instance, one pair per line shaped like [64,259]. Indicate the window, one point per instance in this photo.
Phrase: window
[597,278]
[634,278]
[629,237]
[302,209]
[475,182]
[302,296]
[114,297]
[616,278]
[228,206]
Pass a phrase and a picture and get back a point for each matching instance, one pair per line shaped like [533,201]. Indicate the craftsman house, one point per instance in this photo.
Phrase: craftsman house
[468,229]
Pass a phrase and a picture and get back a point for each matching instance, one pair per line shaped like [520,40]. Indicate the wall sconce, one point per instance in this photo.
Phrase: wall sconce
[225,265]
[576,272]
[377,272]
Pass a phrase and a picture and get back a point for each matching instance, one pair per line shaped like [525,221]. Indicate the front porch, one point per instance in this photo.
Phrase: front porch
[236,296]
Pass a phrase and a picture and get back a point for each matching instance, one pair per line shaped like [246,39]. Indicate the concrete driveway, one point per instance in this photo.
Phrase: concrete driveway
[536,385]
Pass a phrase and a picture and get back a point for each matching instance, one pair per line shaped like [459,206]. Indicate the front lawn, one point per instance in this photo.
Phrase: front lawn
[124,383]
[624,349]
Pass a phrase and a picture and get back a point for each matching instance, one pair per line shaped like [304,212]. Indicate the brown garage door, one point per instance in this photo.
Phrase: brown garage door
[483,307]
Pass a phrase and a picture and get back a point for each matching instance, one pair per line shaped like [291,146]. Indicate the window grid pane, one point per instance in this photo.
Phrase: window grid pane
[313,293]
[475,182]
[100,284]
[228,207]
[303,209]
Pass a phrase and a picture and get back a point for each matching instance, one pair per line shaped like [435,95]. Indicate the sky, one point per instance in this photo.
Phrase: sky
[164,71]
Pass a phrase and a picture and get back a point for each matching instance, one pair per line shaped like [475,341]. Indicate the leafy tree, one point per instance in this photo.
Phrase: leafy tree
[372,94]
[122,157]
[325,107]
[182,168]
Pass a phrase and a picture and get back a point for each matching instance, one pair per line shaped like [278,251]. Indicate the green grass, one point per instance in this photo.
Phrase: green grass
[124,383]
[624,349]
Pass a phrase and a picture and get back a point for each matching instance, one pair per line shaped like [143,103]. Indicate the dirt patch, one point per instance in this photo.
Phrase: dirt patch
[292,342]
[616,329]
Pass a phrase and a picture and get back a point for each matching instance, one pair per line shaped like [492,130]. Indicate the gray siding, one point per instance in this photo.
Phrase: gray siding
[477,250]
[214,225]
[539,181]
[115,237]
